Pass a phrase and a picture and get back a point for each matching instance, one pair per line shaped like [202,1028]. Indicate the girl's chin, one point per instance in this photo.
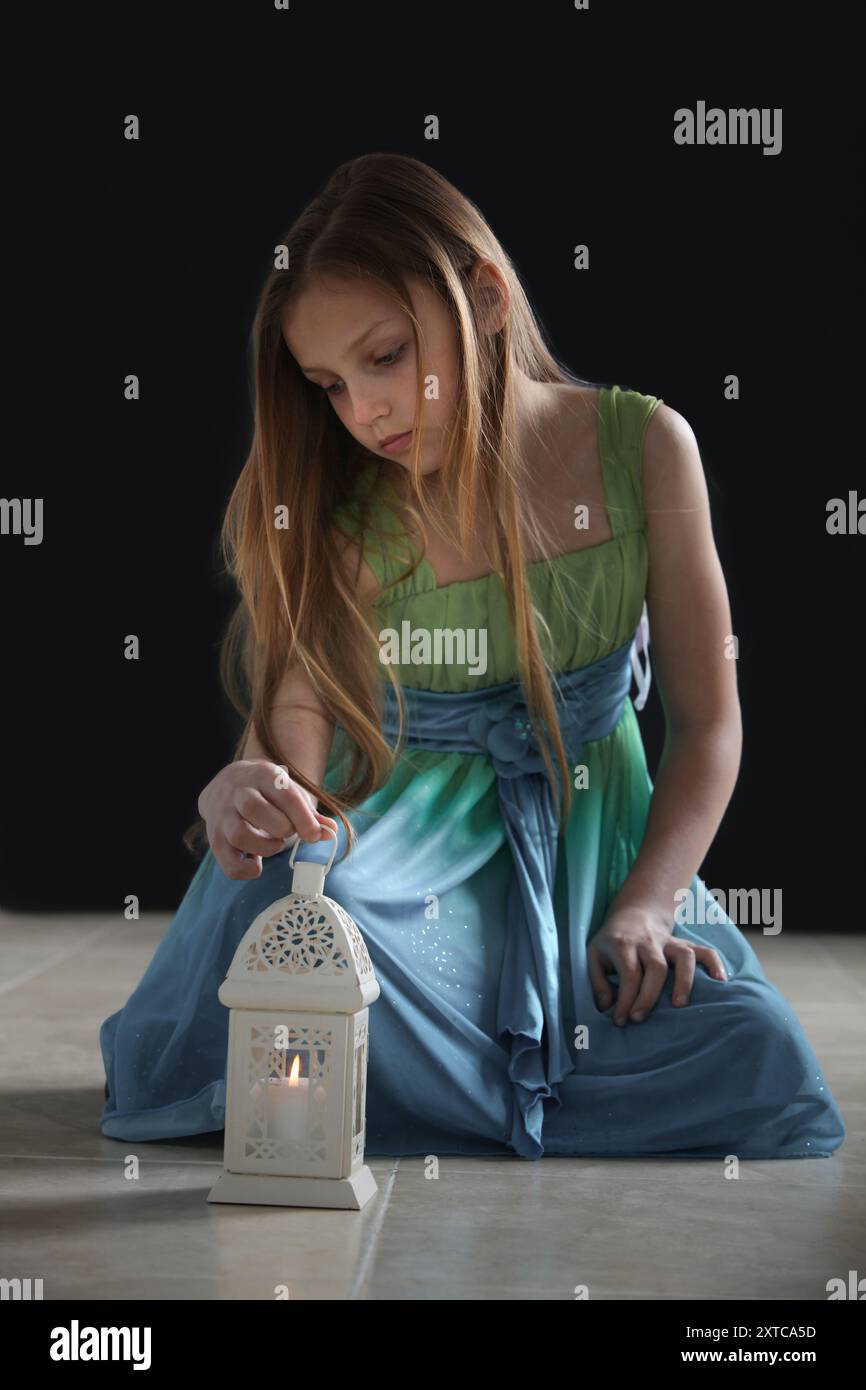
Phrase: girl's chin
[406,465]
[404,462]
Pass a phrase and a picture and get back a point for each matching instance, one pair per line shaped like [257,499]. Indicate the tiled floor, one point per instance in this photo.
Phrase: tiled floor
[484,1229]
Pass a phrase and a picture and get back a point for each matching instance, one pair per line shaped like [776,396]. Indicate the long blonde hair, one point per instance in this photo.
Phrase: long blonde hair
[381,217]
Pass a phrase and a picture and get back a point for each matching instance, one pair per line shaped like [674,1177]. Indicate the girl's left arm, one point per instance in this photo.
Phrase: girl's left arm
[692,656]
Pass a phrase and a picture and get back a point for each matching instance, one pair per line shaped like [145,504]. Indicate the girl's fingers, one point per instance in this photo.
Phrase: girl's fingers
[328,822]
[243,837]
[684,973]
[261,814]
[655,973]
[292,801]
[598,979]
[642,978]
[235,863]
[630,979]
[712,961]
[685,961]
[323,825]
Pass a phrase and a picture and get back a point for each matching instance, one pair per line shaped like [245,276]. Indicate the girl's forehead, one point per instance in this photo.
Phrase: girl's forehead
[335,317]
[329,307]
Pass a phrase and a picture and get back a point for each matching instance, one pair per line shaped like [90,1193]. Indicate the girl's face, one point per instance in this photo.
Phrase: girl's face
[357,347]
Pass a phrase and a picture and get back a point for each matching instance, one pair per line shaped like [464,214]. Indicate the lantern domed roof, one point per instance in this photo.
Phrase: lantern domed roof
[302,953]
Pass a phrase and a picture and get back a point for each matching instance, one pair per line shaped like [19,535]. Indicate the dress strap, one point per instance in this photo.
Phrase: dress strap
[623,418]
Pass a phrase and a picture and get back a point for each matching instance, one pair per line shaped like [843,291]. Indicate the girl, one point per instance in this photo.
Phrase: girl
[438,651]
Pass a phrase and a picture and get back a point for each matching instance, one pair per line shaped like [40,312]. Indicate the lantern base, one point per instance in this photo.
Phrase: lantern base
[277,1190]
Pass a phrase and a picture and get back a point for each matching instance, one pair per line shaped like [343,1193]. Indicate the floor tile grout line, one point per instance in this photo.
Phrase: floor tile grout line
[368,1258]
[57,958]
[92,1158]
[171,1162]
[512,1168]
[362,1275]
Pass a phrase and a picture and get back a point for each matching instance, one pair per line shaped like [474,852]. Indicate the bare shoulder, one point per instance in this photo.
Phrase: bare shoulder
[578,405]
[573,434]
[672,474]
[677,521]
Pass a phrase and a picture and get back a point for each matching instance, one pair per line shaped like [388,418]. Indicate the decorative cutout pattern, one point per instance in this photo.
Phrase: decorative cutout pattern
[363,964]
[265,1060]
[300,937]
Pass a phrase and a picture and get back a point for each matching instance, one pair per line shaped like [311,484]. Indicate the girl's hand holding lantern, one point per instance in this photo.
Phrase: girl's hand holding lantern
[252,809]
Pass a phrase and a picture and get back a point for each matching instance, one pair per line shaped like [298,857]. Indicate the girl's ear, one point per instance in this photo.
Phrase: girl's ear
[489,294]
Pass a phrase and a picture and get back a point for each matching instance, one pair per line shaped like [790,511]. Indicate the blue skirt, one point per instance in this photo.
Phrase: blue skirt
[428,883]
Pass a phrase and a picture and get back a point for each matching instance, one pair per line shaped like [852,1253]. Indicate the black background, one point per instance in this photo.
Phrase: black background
[146,257]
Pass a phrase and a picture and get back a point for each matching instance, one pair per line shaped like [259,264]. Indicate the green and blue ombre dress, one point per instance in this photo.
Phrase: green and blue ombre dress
[486,1038]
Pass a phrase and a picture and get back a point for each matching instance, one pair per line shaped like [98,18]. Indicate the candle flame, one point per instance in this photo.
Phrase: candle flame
[295,1071]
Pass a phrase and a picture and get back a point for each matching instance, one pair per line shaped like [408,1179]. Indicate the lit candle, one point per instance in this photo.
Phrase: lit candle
[286,1104]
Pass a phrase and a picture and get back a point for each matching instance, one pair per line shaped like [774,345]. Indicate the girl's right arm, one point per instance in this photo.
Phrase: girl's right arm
[248,812]
[252,808]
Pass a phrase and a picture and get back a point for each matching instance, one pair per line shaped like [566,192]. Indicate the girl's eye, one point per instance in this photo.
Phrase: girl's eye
[380,361]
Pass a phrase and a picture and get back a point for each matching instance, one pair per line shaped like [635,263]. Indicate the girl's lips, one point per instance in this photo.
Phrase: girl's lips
[399,443]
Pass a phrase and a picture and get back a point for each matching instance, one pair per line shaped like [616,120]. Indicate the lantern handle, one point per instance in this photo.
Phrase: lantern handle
[297,844]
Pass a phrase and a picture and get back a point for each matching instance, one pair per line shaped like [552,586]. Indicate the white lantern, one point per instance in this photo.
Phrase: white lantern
[298,991]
